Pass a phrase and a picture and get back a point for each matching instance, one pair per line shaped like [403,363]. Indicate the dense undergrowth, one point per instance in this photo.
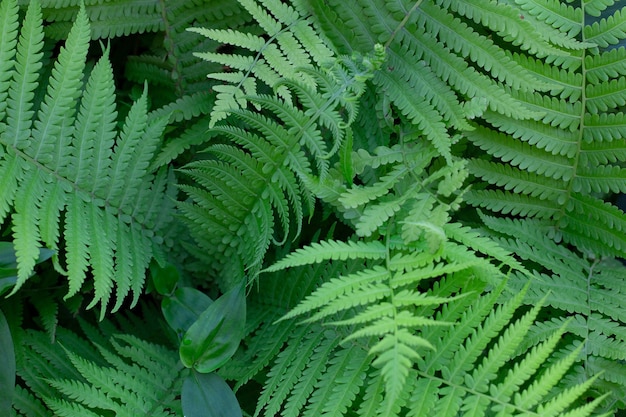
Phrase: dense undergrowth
[312,208]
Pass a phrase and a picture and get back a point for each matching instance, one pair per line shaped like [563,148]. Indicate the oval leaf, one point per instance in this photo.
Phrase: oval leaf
[208,395]
[215,336]
[184,307]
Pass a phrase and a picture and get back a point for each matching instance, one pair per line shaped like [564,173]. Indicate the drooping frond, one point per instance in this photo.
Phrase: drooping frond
[256,185]
[564,164]
[69,176]
[119,373]
[441,70]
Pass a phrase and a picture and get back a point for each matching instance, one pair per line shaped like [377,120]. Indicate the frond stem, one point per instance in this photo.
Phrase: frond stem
[402,23]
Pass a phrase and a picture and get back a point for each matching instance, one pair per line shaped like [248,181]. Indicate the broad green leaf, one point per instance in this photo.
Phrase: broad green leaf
[8,264]
[7,254]
[7,372]
[208,395]
[215,336]
[184,307]
[8,278]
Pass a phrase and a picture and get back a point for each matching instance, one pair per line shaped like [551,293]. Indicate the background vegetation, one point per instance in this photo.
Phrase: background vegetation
[312,208]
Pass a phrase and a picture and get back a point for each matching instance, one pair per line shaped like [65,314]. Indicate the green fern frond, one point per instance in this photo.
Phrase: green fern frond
[331,250]
[592,302]
[90,378]
[268,63]
[262,178]
[559,15]
[69,161]
[379,303]
[346,371]
[608,31]
[553,166]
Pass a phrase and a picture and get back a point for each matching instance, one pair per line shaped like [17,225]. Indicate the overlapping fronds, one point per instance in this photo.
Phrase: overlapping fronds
[115,18]
[373,296]
[585,293]
[254,190]
[471,365]
[380,334]
[290,45]
[107,373]
[561,167]
[70,180]
[171,64]
[442,69]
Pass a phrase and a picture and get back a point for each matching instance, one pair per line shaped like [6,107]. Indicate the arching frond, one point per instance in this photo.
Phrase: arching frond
[60,157]
[591,304]
[573,153]
[115,373]
[258,182]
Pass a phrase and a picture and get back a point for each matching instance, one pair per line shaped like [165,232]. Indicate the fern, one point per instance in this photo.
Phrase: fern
[565,163]
[393,319]
[258,183]
[60,157]
[387,124]
[339,376]
[591,304]
[119,373]
[183,88]
[290,36]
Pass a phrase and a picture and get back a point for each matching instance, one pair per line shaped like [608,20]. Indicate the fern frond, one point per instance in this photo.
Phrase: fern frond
[607,31]
[593,292]
[554,166]
[505,21]
[331,250]
[347,367]
[267,63]
[264,179]
[127,376]
[8,42]
[559,15]
[62,176]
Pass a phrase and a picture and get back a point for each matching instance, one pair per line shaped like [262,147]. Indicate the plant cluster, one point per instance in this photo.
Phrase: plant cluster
[312,208]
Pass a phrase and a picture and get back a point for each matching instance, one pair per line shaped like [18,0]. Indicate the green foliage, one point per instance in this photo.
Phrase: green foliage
[256,187]
[7,377]
[558,168]
[208,395]
[69,179]
[401,208]
[111,370]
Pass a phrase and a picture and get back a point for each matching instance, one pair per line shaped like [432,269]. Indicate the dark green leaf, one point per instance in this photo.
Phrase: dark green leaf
[215,336]
[7,371]
[6,283]
[164,278]
[9,260]
[184,307]
[208,395]
[7,254]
